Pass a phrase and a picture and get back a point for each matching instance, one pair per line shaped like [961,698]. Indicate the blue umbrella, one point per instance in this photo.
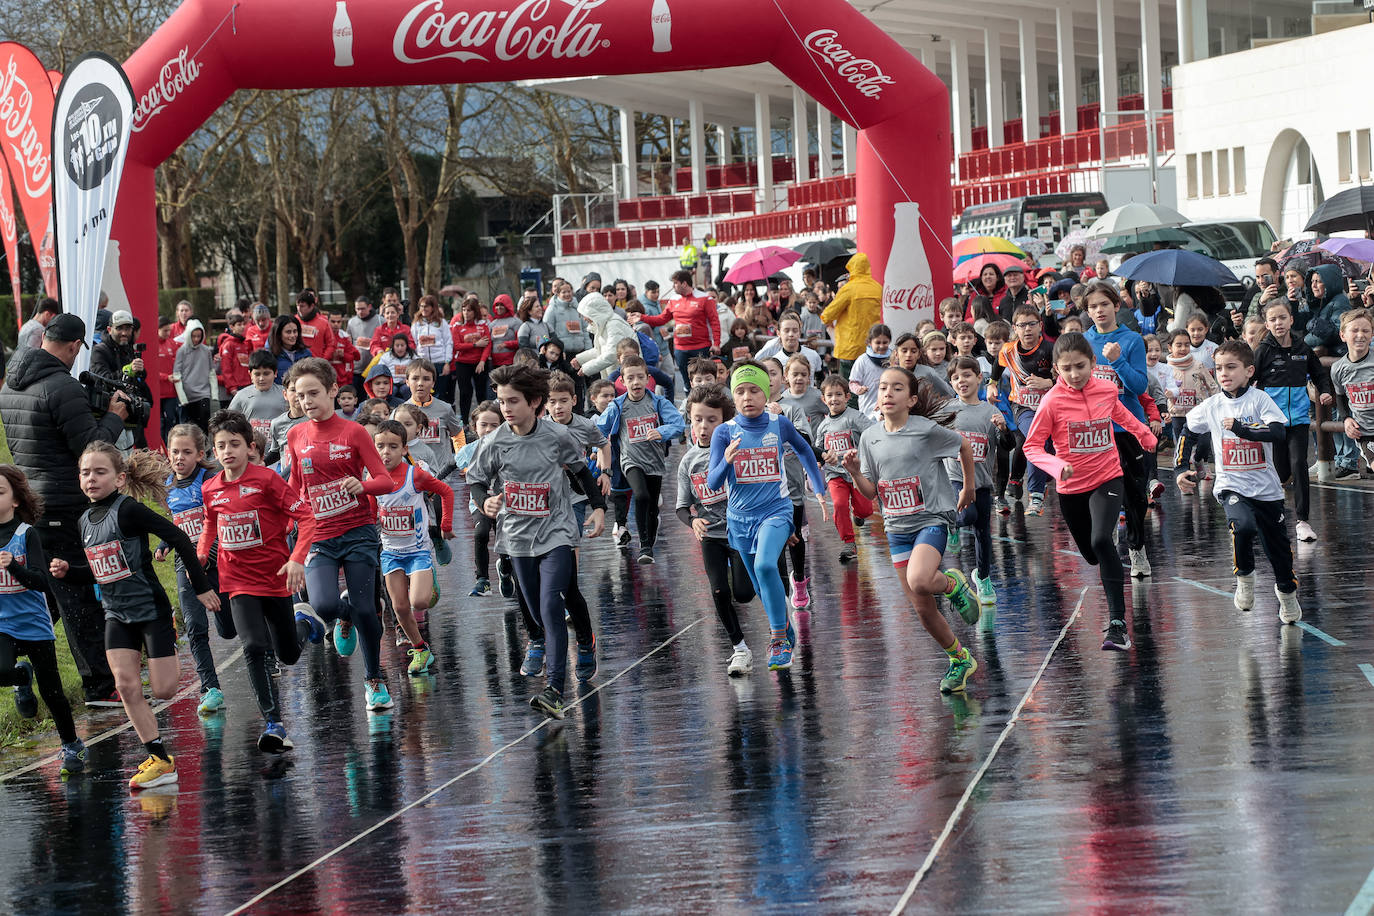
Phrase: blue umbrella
[1177,267]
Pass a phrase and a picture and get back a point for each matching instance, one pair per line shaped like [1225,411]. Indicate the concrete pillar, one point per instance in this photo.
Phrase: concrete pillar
[723,144]
[763,149]
[1106,57]
[629,155]
[962,126]
[992,61]
[824,146]
[696,144]
[850,145]
[1151,56]
[1030,82]
[1068,70]
[801,136]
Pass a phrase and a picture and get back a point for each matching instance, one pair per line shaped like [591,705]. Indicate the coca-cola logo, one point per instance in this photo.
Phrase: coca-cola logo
[176,74]
[428,33]
[28,145]
[917,297]
[860,72]
[8,231]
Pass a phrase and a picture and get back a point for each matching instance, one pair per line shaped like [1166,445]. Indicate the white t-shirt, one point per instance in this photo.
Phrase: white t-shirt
[1243,466]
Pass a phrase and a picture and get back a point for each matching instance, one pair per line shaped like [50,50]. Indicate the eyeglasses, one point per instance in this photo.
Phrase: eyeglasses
[1025,325]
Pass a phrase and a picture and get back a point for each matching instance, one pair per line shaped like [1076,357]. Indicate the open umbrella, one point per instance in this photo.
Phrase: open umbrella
[1133,216]
[1140,241]
[984,244]
[825,250]
[969,270]
[1348,211]
[1306,254]
[761,263]
[1177,267]
[1355,249]
[1091,247]
[1031,246]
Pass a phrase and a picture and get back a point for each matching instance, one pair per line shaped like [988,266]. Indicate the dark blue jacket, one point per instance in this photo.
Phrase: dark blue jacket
[1283,372]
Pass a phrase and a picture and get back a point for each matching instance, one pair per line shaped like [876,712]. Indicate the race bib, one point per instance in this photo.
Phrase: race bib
[426,340]
[108,563]
[682,330]
[499,331]
[263,425]
[308,331]
[1361,395]
[330,499]
[901,497]
[977,443]
[1185,400]
[239,530]
[739,353]
[191,522]
[757,465]
[1241,454]
[398,373]
[529,499]
[1107,374]
[574,327]
[8,585]
[839,442]
[364,343]
[1029,397]
[637,429]
[705,495]
[1090,437]
[243,359]
[398,520]
[431,432]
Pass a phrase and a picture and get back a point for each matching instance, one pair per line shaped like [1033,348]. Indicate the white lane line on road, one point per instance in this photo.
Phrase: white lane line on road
[987,762]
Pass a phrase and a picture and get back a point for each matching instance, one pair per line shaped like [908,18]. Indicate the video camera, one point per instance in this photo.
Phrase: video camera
[100,389]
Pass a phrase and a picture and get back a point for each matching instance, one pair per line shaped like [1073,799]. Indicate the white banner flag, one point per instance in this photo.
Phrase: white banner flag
[90,126]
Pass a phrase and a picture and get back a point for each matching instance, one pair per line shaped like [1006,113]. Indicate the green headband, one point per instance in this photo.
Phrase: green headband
[751,374]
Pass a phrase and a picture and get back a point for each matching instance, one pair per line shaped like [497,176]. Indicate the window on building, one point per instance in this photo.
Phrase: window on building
[1343,156]
[1207,175]
[1362,154]
[1223,171]
[1192,176]
[1238,163]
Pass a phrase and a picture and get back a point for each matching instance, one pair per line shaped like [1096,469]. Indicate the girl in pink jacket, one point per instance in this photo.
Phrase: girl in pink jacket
[1077,416]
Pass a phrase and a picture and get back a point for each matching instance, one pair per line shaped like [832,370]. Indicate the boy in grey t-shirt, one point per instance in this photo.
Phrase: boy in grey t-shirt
[264,400]
[443,424]
[982,426]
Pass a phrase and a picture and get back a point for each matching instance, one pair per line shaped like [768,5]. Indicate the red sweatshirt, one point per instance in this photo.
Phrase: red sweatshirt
[323,454]
[344,356]
[250,518]
[465,337]
[696,322]
[166,354]
[318,335]
[381,338]
[257,337]
[233,362]
[1079,422]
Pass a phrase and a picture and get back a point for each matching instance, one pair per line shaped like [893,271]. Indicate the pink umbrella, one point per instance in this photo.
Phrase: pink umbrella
[761,263]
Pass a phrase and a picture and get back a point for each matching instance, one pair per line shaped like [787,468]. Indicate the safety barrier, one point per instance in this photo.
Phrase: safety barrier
[694,206]
[1121,141]
[824,191]
[600,241]
[833,217]
[1087,119]
[737,175]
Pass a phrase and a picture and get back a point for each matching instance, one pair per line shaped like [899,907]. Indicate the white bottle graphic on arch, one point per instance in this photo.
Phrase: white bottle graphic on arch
[661,19]
[908,286]
[343,35]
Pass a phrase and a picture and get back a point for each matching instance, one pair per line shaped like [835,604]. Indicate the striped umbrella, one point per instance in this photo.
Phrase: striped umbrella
[968,271]
[985,244]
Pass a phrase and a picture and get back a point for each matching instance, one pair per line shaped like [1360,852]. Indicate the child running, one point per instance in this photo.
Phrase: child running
[1029,361]
[1244,423]
[25,625]
[1352,378]
[407,550]
[703,510]
[837,434]
[528,456]
[747,455]
[138,616]
[486,416]
[981,425]
[900,462]
[1078,415]
[248,512]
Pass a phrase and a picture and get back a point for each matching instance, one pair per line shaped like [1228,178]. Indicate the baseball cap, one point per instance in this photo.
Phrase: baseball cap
[261,309]
[121,318]
[66,328]
[1013,269]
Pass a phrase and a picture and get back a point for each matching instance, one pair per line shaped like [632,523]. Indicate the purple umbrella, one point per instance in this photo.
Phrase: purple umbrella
[1305,255]
[1356,249]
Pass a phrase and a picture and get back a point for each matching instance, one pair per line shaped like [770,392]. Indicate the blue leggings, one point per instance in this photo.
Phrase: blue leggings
[322,584]
[762,565]
[543,581]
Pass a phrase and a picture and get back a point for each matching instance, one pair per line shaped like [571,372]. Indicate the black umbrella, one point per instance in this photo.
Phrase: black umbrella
[825,250]
[1348,211]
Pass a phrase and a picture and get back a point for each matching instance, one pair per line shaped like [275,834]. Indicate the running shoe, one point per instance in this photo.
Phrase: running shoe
[1341,472]
[109,701]
[273,667]
[779,655]
[548,701]
[73,757]
[957,674]
[849,553]
[622,540]
[378,697]
[24,700]
[211,701]
[987,595]
[420,660]
[1001,506]
[533,665]
[1289,609]
[482,589]
[963,598]
[1305,532]
[791,632]
[345,640]
[1156,490]
[401,638]
[505,577]
[952,540]
[586,661]
[1037,504]
[1015,490]
[1245,592]
[741,662]
[273,739]
[801,593]
[314,621]
[154,772]
[859,521]
[646,556]
[1140,563]
[1116,637]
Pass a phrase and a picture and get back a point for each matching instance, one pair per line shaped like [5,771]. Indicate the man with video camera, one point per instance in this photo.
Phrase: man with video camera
[48,423]
[118,357]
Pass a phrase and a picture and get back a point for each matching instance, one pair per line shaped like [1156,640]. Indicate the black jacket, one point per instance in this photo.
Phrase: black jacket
[109,358]
[48,423]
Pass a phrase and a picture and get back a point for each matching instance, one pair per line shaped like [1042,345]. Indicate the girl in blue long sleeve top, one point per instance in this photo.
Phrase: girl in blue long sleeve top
[746,457]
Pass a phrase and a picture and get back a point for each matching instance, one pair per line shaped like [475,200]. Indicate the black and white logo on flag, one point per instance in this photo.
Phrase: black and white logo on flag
[91,123]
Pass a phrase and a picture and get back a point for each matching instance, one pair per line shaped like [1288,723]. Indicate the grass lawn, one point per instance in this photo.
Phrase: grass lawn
[13,729]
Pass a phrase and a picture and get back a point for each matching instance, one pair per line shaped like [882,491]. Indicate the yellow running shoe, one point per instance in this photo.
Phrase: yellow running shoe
[154,772]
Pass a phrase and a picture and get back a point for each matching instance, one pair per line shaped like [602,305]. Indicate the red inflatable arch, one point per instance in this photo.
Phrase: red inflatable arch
[208,49]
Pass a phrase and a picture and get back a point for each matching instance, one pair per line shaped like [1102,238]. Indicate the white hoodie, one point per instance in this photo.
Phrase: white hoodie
[607,328]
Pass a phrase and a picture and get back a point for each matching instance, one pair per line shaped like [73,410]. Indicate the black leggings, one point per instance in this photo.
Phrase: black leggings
[729,579]
[979,514]
[544,580]
[646,489]
[481,544]
[1250,519]
[620,504]
[470,384]
[267,625]
[574,602]
[1092,518]
[1290,460]
[797,552]
[43,656]
[1135,486]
